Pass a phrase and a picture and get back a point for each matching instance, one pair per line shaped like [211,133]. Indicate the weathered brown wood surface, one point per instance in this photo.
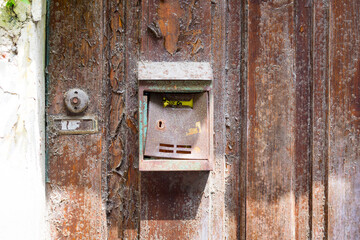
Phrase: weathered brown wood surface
[286,120]
[344,118]
[234,105]
[76,163]
[123,209]
[320,119]
[272,123]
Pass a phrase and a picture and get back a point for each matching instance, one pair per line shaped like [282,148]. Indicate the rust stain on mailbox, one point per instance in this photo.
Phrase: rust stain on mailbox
[175,113]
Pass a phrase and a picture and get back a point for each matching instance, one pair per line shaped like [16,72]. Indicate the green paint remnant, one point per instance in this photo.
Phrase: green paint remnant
[13,13]
[10,5]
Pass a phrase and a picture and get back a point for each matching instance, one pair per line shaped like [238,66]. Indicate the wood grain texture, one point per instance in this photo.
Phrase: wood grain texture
[302,131]
[344,132]
[320,117]
[286,120]
[234,177]
[75,189]
[279,104]
[123,176]
[243,119]
[175,206]
[271,151]
[217,176]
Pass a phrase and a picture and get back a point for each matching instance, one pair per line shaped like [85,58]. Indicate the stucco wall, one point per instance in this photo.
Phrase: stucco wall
[22,164]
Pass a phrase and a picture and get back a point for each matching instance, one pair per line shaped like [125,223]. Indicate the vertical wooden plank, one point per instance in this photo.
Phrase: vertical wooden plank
[133,21]
[320,118]
[243,119]
[121,212]
[272,124]
[344,113]
[123,175]
[303,77]
[75,187]
[233,176]
[175,205]
[217,176]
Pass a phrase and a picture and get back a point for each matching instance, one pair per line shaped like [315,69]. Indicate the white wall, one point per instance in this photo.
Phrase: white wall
[22,159]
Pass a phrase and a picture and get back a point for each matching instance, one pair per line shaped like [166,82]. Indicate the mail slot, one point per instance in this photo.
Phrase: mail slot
[175,116]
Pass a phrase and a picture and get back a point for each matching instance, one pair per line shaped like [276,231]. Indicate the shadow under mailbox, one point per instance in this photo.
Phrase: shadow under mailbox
[172,195]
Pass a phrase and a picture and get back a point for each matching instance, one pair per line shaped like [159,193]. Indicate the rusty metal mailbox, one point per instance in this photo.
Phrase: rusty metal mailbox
[175,116]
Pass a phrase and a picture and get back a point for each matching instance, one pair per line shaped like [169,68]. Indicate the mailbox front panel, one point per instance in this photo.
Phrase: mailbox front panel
[178,126]
[175,116]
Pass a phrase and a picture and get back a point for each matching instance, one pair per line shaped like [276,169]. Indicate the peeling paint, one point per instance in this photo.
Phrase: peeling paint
[276,121]
[169,23]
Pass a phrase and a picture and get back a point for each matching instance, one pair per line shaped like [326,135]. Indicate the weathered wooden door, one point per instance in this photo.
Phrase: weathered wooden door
[286,120]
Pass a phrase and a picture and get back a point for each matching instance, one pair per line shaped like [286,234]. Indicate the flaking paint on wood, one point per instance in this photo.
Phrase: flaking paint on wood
[286,120]
[75,191]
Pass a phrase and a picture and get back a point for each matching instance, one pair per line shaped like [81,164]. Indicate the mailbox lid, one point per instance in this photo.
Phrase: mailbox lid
[178,132]
[174,71]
